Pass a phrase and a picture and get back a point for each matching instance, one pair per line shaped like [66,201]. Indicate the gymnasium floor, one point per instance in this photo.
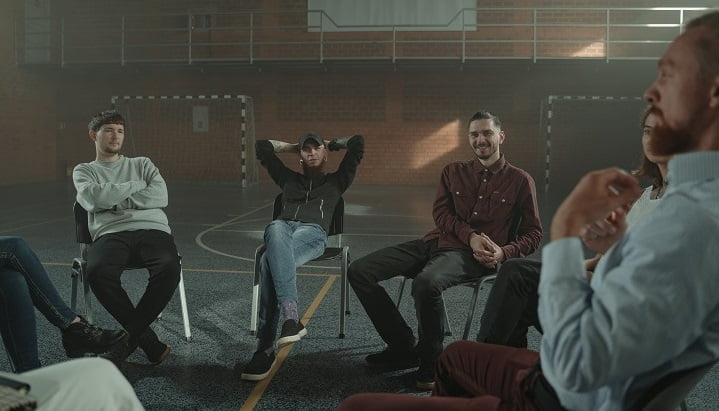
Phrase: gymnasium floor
[217,227]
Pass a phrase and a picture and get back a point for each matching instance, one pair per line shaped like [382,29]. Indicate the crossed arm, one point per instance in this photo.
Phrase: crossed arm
[145,192]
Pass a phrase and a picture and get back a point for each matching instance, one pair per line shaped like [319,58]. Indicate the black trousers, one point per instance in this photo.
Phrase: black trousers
[111,254]
[512,304]
[433,270]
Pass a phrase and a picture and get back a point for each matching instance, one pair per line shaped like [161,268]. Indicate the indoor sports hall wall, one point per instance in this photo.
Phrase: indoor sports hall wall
[413,114]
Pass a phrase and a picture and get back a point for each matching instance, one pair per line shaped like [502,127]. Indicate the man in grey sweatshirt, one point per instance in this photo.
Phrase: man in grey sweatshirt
[124,198]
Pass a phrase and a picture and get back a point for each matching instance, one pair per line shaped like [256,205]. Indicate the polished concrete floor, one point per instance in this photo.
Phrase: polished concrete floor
[217,228]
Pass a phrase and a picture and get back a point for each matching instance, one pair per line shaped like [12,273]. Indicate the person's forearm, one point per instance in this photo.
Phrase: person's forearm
[340,143]
[152,196]
[565,224]
[283,147]
[95,197]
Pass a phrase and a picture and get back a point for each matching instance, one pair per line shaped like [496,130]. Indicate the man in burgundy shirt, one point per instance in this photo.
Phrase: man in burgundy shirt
[485,212]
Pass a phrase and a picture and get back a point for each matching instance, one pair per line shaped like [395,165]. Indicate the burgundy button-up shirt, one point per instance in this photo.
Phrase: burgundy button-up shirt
[474,199]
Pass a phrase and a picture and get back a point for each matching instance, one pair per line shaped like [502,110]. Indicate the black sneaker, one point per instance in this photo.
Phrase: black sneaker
[425,377]
[394,359]
[82,338]
[258,368]
[291,331]
[120,352]
[155,350]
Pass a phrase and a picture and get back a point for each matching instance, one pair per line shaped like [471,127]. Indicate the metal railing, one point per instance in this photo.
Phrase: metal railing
[287,36]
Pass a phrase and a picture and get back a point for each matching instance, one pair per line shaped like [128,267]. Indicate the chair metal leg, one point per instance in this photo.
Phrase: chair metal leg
[445,320]
[347,283]
[344,295]
[183,303]
[401,290]
[472,306]
[74,275]
[473,303]
[87,294]
[256,291]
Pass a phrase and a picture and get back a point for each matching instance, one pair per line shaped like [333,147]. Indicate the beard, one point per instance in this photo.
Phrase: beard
[667,141]
[480,152]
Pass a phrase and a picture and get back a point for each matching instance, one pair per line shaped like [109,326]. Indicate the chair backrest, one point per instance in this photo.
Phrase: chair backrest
[82,231]
[669,392]
[337,223]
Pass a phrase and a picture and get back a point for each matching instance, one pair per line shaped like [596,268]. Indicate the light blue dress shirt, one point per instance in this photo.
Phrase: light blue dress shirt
[653,303]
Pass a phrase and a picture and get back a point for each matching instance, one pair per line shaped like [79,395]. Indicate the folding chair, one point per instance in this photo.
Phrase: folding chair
[476,284]
[670,391]
[331,253]
[79,266]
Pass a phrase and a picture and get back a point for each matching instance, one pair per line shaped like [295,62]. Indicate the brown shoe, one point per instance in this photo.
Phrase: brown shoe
[155,350]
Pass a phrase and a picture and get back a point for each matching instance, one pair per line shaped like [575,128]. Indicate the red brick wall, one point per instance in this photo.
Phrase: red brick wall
[27,113]
[413,114]
[414,119]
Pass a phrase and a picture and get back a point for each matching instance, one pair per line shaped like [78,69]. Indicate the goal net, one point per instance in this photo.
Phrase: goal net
[192,138]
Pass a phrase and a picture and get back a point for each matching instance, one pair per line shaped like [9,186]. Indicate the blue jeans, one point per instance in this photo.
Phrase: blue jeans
[24,283]
[288,245]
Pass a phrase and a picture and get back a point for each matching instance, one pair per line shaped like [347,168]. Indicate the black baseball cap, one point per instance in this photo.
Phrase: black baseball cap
[311,136]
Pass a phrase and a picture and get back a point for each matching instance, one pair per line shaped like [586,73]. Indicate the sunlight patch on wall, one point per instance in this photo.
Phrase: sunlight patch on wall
[596,49]
[437,144]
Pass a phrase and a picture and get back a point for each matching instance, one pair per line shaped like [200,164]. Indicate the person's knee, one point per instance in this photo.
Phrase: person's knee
[426,285]
[457,347]
[168,260]
[12,286]
[511,273]
[96,271]
[510,267]
[358,272]
[274,229]
[360,401]
[169,264]
[15,244]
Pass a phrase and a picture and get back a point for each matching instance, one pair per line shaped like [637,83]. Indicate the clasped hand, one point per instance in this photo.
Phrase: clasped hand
[486,251]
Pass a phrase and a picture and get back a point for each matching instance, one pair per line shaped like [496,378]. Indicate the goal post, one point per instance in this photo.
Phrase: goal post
[203,138]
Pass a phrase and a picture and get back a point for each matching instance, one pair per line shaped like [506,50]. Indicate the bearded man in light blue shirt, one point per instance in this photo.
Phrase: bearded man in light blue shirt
[652,307]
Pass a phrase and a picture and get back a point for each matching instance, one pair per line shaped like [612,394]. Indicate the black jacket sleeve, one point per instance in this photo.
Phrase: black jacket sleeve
[265,152]
[348,167]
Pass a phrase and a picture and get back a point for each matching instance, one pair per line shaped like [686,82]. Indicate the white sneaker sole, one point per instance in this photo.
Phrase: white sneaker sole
[425,385]
[258,377]
[291,338]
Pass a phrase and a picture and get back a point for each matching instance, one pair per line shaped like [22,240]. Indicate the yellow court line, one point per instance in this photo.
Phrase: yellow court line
[208,270]
[261,386]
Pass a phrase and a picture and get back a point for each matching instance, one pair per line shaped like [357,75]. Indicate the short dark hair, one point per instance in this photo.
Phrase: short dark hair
[647,168]
[486,115]
[707,46]
[105,117]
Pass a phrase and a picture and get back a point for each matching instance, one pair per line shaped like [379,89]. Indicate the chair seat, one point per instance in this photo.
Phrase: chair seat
[331,253]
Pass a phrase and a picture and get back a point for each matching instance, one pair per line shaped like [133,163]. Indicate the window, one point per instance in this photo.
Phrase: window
[383,15]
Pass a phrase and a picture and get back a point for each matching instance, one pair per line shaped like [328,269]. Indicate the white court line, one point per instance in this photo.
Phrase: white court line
[198,237]
[14,229]
[409,235]
[217,227]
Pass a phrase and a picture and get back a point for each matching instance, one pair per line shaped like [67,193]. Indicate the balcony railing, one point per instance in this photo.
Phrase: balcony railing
[286,36]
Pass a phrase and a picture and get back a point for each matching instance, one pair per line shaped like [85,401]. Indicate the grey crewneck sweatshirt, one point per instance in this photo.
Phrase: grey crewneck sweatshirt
[123,195]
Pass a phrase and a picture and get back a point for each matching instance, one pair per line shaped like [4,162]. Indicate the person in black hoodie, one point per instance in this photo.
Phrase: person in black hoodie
[298,235]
